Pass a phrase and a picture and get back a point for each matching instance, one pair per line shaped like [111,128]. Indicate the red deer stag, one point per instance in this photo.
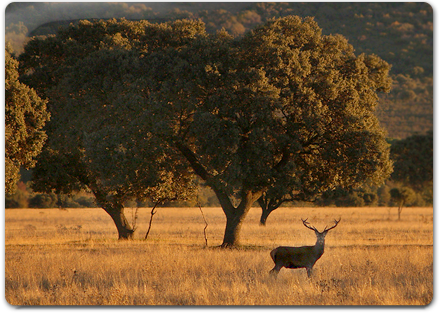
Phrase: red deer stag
[301,257]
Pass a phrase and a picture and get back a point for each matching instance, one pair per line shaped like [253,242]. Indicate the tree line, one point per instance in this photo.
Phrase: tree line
[145,111]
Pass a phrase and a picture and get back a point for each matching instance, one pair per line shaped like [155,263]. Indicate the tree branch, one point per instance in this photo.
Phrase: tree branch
[151,217]
[206,224]
[284,159]
[200,170]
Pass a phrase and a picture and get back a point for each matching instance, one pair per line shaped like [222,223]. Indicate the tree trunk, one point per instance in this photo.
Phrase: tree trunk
[152,213]
[115,208]
[399,211]
[235,217]
[267,206]
[265,213]
[125,231]
[233,227]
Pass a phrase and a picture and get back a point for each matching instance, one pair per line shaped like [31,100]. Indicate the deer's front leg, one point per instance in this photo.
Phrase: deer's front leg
[275,270]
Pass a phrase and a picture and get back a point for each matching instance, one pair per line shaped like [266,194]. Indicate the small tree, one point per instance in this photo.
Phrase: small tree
[414,162]
[403,197]
[25,117]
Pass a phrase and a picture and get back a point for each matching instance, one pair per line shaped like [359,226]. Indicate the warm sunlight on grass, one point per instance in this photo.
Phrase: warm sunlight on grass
[59,257]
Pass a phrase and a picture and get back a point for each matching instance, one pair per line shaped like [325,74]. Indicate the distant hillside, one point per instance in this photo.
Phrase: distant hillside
[52,27]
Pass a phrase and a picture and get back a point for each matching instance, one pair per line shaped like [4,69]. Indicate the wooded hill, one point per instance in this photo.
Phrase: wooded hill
[400,33]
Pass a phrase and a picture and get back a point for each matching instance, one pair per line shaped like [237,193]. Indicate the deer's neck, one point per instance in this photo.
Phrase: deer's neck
[319,247]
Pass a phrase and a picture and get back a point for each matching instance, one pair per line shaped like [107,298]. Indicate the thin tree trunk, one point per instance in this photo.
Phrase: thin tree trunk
[265,213]
[152,213]
[206,225]
[399,211]
[267,206]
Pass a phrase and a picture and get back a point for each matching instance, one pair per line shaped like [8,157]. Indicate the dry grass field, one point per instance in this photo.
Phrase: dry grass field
[72,257]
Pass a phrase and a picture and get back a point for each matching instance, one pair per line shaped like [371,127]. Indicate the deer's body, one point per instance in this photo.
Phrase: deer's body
[300,257]
[296,257]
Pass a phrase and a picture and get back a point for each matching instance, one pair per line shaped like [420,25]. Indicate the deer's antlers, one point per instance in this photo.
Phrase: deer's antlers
[307,224]
[336,223]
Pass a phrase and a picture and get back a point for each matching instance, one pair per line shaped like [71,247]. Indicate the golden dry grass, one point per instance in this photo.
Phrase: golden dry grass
[56,257]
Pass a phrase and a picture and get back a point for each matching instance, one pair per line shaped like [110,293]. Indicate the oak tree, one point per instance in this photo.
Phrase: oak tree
[282,100]
[92,74]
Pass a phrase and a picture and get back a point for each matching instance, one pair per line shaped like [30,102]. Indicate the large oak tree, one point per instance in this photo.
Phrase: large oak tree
[284,100]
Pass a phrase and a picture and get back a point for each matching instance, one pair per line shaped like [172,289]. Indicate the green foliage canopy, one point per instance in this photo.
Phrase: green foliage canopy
[93,76]
[134,101]
[306,97]
[282,100]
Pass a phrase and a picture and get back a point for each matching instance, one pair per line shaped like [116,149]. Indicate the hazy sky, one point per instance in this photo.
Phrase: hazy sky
[34,14]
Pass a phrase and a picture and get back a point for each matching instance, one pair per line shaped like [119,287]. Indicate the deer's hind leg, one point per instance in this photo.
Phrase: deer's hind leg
[309,271]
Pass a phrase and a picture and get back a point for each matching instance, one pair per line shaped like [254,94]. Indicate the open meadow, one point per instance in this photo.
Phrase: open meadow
[73,257]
